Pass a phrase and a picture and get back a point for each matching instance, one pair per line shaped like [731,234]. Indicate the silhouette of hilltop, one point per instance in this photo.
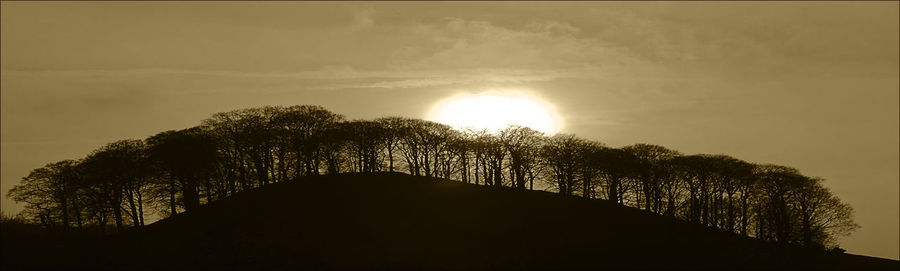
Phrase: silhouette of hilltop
[399,221]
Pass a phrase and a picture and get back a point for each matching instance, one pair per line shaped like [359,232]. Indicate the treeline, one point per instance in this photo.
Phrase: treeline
[175,171]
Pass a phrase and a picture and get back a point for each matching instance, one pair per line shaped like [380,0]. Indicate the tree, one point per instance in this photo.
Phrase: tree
[651,169]
[121,169]
[589,166]
[690,169]
[461,145]
[424,145]
[49,193]
[307,125]
[521,144]
[242,149]
[392,135]
[477,142]
[615,166]
[562,153]
[778,185]
[189,156]
[822,215]
[365,139]
[731,175]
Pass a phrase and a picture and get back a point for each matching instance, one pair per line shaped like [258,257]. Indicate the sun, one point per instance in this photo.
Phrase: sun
[495,110]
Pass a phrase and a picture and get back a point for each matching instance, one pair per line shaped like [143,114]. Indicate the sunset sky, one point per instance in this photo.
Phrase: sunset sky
[809,85]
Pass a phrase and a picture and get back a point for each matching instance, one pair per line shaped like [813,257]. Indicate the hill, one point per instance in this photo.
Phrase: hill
[398,221]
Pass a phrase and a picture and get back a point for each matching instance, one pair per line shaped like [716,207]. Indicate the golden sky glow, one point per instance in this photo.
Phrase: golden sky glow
[495,110]
[812,85]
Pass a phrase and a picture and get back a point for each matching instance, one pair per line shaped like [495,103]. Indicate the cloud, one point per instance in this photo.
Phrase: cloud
[411,79]
[460,43]
[363,16]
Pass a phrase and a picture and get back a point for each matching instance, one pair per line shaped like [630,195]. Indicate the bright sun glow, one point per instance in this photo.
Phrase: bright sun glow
[495,110]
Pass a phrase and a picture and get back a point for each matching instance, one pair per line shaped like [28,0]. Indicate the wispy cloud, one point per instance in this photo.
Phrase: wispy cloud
[329,77]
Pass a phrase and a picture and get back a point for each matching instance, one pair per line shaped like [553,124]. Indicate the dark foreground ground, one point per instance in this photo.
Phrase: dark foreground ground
[397,221]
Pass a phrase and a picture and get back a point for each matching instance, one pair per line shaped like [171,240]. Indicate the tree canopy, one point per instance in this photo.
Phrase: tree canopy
[229,152]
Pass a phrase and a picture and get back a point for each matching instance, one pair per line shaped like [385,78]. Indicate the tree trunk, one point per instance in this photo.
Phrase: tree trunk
[498,176]
[140,207]
[586,183]
[390,158]
[476,169]
[78,219]
[613,190]
[65,213]
[172,206]
[743,214]
[190,195]
[133,207]
[117,213]
[530,180]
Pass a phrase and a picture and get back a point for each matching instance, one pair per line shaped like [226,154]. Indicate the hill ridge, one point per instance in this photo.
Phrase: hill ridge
[334,221]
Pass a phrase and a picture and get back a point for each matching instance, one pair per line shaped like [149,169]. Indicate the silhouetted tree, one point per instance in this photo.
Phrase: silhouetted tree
[562,154]
[616,166]
[365,139]
[822,216]
[307,125]
[392,136]
[522,145]
[651,170]
[189,156]
[49,194]
[589,166]
[778,185]
[242,149]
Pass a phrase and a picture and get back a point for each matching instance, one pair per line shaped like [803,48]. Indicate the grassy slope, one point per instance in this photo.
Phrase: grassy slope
[400,221]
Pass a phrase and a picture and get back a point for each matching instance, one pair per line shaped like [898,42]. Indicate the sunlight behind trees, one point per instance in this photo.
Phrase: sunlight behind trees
[240,150]
[495,110]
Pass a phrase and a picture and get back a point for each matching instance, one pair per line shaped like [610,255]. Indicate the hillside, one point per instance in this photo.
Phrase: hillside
[397,221]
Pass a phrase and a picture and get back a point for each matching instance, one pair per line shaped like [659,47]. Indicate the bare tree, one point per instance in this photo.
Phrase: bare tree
[392,136]
[49,193]
[821,215]
[651,171]
[243,149]
[562,153]
[616,166]
[189,156]
[521,144]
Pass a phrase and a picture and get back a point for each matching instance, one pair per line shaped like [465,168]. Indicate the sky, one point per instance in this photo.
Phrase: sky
[811,85]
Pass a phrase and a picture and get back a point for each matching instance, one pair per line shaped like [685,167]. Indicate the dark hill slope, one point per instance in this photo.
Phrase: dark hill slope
[401,221]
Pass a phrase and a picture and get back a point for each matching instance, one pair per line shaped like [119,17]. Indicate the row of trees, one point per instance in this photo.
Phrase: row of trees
[175,171]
